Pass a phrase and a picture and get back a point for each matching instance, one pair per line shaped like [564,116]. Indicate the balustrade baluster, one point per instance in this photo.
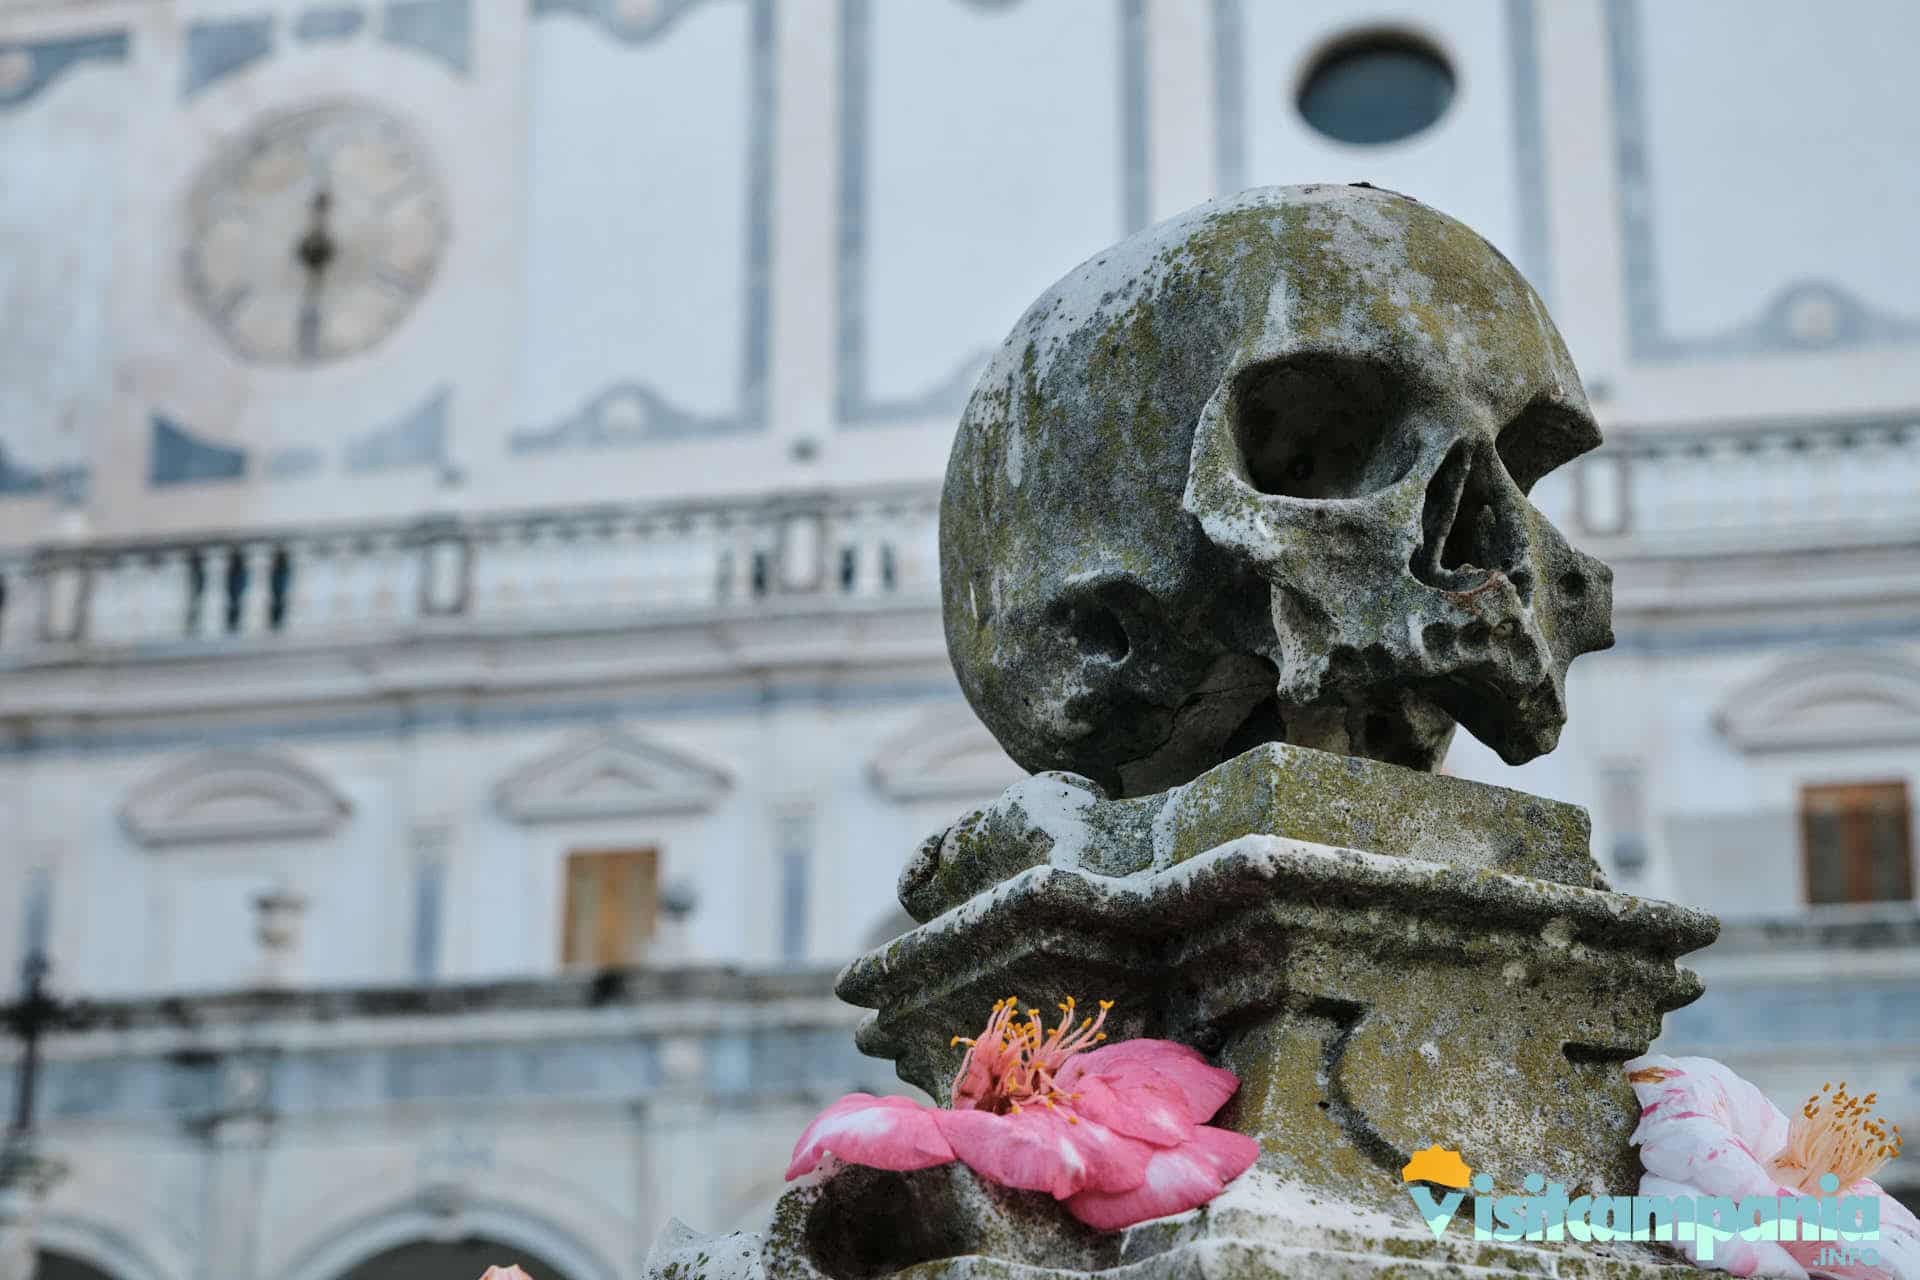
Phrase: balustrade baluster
[396,593]
[742,555]
[444,570]
[64,598]
[145,602]
[106,612]
[256,589]
[309,586]
[13,595]
[801,543]
[868,539]
[687,561]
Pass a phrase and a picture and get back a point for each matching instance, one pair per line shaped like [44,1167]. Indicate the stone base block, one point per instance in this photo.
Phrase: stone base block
[946,1224]
[1371,1005]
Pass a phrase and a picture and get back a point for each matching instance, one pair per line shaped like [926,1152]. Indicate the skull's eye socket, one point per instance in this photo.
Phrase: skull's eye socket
[1543,436]
[1320,426]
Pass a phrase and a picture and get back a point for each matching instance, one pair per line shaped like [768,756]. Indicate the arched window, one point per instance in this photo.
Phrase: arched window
[53,1265]
[462,1258]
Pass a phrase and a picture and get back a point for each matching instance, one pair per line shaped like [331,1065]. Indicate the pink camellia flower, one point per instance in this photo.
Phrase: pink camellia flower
[506,1273]
[1706,1132]
[1118,1133]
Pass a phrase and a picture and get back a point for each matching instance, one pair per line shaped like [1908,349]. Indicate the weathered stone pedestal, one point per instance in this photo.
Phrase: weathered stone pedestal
[1259,474]
[1464,979]
[947,1223]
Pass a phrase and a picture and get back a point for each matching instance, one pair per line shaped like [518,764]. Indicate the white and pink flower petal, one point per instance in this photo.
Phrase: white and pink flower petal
[1131,1099]
[1704,1127]
[1177,1179]
[1672,1089]
[1736,1256]
[1039,1149]
[1205,1086]
[1896,1251]
[884,1133]
[1231,1154]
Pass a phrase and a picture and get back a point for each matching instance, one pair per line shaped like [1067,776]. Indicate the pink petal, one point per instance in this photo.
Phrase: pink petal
[1735,1256]
[1177,1179]
[1704,1086]
[1206,1087]
[1231,1154]
[1038,1149]
[885,1133]
[1132,1099]
[1898,1247]
[1703,1126]
[1701,1154]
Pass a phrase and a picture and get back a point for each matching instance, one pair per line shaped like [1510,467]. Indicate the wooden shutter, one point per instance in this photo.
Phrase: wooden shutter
[612,899]
[1857,842]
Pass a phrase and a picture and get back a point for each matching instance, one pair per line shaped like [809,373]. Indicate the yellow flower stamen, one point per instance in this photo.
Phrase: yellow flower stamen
[1835,1133]
[1014,1060]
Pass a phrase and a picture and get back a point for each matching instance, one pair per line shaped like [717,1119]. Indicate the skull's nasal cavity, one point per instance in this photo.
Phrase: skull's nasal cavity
[1472,524]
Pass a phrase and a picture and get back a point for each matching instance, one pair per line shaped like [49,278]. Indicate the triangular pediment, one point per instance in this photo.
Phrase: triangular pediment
[609,774]
[943,754]
[1836,700]
[226,795]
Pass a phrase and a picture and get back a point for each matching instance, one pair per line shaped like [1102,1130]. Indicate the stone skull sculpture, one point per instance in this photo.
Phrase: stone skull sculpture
[1260,473]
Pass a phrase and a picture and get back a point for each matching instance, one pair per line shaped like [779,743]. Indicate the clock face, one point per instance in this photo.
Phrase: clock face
[311,237]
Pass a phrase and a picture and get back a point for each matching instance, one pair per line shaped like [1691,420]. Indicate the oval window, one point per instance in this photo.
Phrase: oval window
[1376,88]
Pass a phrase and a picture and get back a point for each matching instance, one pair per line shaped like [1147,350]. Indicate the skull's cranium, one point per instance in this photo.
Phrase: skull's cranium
[1260,474]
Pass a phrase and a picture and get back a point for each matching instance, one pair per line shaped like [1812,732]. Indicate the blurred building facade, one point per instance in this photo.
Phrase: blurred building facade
[468,482]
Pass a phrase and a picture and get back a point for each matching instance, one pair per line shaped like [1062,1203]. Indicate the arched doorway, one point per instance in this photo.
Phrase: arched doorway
[53,1265]
[433,1259]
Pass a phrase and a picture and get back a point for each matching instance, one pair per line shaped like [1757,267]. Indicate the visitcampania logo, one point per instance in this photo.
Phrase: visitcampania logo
[1544,1212]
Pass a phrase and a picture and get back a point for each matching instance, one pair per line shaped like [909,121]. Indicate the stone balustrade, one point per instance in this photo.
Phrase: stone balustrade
[1839,481]
[1836,482]
[583,567]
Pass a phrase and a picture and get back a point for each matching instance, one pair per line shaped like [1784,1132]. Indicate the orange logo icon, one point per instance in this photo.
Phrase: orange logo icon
[1437,1164]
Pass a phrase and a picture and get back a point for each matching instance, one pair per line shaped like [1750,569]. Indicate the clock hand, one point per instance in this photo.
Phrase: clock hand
[315,250]
[309,339]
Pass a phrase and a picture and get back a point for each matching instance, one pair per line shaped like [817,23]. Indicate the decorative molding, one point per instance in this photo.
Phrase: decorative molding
[622,416]
[945,753]
[27,68]
[1136,179]
[623,20]
[177,456]
[110,1249]
[225,795]
[342,22]
[66,483]
[417,440]
[291,464]
[1802,315]
[218,49]
[1534,246]
[641,414]
[1833,700]
[440,29]
[1532,250]
[608,774]
[1229,97]
[343,1247]
[854,403]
